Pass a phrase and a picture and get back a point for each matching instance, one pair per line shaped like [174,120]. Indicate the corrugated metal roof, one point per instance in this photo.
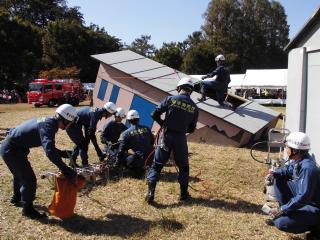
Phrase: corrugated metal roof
[250,116]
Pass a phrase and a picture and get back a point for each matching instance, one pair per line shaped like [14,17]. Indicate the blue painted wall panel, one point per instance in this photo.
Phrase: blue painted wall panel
[114,94]
[102,89]
[144,107]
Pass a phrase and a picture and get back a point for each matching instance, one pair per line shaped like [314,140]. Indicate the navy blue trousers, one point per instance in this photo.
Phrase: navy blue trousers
[219,88]
[301,220]
[82,143]
[177,143]
[24,179]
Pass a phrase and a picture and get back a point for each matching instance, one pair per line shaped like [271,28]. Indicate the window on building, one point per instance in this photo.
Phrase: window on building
[114,94]
[102,89]
[58,86]
[144,107]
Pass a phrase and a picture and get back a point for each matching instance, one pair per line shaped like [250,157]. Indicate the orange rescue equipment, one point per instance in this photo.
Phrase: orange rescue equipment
[65,197]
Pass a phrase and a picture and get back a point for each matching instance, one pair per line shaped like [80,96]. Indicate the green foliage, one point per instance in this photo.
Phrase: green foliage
[170,54]
[20,51]
[198,59]
[254,32]
[142,46]
[41,12]
[46,34]
[67,43]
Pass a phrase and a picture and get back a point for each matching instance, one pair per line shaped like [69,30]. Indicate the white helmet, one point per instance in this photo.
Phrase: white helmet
[67,112]
[298,140]
[220,57]
[120,112]
[185,81]
[110,107]
[133,114]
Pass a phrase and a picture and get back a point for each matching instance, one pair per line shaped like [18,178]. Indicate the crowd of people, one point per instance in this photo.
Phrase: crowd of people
[296,185]
[12,96]
[80,125]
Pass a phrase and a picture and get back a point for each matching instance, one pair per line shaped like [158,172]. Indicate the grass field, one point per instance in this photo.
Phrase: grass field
[225,205]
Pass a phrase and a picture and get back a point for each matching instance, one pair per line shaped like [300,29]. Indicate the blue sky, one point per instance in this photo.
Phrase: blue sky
[168,20]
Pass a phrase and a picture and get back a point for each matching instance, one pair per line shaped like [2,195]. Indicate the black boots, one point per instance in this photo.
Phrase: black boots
[29,211]
[151,190]
[184,194]
[16,200]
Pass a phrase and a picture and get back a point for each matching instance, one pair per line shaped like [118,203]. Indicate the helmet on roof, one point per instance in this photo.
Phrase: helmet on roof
[120,112]
[220,57]
[133,114]
[298,140]
[186,81]
[67,112]
[110,107]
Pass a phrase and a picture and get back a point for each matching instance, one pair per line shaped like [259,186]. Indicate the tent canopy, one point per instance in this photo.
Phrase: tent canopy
[265,78]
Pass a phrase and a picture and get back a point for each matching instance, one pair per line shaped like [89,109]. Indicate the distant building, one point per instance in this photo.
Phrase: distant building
[135,82]
[303,90]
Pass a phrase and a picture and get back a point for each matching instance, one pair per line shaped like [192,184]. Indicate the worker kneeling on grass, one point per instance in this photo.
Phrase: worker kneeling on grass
[112,130]
[181,116]
[139,139]
[297,188]
[88,119]
[15,149]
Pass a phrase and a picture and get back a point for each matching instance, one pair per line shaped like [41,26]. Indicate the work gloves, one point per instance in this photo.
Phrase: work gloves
[268,181]
[70,174]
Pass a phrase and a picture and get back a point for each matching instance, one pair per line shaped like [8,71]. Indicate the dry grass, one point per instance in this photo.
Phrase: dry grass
[225,205]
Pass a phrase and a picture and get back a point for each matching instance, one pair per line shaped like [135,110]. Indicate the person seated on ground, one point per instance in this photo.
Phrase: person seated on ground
[219,85]
[16,147]
[139,139]
[88,119]
[112,130]
[297,190]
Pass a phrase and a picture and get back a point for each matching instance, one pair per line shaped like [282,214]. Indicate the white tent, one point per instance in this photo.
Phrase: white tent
[266,78]
[236,80]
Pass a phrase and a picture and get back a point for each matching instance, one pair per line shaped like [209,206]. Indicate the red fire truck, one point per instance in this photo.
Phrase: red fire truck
[54,92]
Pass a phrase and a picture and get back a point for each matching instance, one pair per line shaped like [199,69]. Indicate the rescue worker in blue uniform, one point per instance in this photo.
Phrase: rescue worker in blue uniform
[88,119]
[139,139]
[181,116]
[112,130]
[297,190]
[219,85]
[16,147]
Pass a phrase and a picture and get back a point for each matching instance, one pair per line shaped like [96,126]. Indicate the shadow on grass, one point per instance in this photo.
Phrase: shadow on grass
[173,177]
[120,225]
[238,206]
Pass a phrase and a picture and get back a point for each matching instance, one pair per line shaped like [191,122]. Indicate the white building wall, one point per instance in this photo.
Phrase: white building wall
[303,93]
[313,107]
[296,90]
[312,38]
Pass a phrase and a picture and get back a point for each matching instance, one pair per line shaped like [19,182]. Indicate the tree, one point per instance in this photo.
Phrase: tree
[198,59]
[69,72]
[142,46]
[67,43]
[20,51]
[40,12]
[252,32]
[170,54]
